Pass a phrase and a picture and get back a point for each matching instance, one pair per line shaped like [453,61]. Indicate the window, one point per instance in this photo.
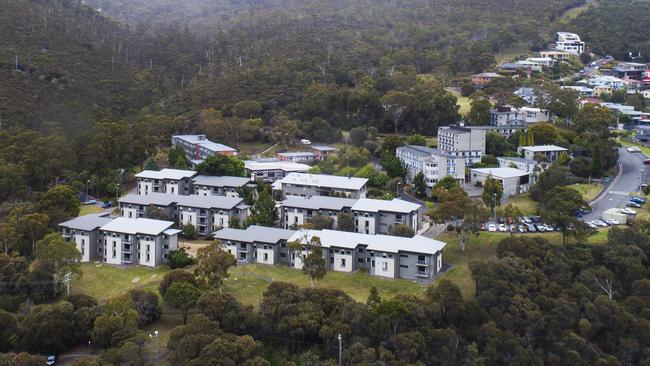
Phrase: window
[359,260]
[403,256]
[266,257]
[343,262]
[384,266]
[403,266]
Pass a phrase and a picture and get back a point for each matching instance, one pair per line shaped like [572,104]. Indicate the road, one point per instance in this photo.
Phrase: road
[627,181]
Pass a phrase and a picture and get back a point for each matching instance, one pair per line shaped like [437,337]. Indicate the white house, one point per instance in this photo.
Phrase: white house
[607,81]
[551,152]
[513,181]
[569,42]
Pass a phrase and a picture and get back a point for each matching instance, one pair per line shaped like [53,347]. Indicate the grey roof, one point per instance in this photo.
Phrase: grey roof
[322,180]
[153,198]
[382,243]
[254,234]
[324,148]
[502,127]
[297,154]
[518,159]
[286,166]
[137,226]
[319,203]
[502,173]
[394,205]
[222,181]
[424,151]
[525,92]
[162,199]
[201,140]
[221,202]
[166,174]
[456,130]
[543,148]
[87,222]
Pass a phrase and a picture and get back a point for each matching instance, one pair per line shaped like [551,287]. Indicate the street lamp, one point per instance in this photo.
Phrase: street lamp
[87,182]
[494,205]
[398,184]
[117,192]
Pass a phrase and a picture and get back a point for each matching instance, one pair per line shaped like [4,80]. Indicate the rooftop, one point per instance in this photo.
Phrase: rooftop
[543,148]
[394,205]
[518,159]
[502,173]
[137,226]
[324,148]
[322,180]
[254,234]
[201,140]
[286,166]
[382,243]
[221,181]
[319,202]
[423,150]
[162,199]
[87,222]
[175,174]
[487,75]
[297,153]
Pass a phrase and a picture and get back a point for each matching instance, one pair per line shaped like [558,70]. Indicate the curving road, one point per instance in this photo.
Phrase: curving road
[632,172]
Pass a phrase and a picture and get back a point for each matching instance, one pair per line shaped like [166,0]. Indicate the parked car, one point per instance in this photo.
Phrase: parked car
[513,228]
[591,225]
[536,219]
[633,204]
[521,228]
[528,220]
[503,228]
[492,227]
[639,200]
[628,211]
[633,149]
[541,228]
[600,223]
[108,204]
[612,222]
[501,220]
[90,202]
[646,161]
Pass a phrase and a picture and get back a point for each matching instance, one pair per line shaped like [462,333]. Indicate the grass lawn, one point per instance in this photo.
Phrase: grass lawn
[463,102]
[588,191]
[105,282]
[247,283]
[89,209]
[525,204]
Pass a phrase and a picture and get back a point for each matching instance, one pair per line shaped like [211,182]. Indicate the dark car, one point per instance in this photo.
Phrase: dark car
[536,219]
[646,161]
[108,204]
[638,200]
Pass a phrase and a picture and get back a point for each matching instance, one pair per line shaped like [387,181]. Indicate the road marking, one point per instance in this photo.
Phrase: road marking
[619,193]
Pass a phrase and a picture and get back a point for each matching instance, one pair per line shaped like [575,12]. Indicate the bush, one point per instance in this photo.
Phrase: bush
[188,231]
[175,275]
[178,258]
[451,227]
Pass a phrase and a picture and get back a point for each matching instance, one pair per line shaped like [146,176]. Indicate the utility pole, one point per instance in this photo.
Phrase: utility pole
[87,182]
[494,198]
[397,191]
[340,351]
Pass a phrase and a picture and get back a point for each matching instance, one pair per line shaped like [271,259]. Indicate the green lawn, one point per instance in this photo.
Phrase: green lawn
[525,204]
[588,191]
[463,102]
[247,283]
[105,282]
[89,209]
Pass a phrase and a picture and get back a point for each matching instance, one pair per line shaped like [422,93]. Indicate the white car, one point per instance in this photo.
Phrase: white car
[591,225]
[600,223]
[633,149]
[628,211]
[612,222]
[492,227]
[503,228]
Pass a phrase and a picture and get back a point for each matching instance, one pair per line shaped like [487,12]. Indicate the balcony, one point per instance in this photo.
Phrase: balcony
[421,274]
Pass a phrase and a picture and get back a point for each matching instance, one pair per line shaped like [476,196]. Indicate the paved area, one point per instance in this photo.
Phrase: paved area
[633,172]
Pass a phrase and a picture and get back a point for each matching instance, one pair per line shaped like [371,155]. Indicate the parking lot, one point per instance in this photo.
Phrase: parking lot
[524,224]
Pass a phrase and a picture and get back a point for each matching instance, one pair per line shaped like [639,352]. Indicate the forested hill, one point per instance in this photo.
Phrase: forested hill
[64,65]
[617,27]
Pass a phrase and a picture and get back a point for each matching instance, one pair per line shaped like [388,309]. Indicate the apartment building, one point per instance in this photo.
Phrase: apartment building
[371,216]
[379,216]
[416,258]
[462,141]
[270,171]
[205,213]
[169,181]
[198,147]
[433,163]
[122,241]
[205,185]
[297,157]
[569,42]
[297,211]
[551,152]
[508,116]
[307,185]
[84,232]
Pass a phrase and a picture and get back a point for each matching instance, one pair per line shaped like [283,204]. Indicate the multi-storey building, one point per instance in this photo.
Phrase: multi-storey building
[198,147]
[551,152]
[433,163]
[380,255]
[323,151]
[608,81]
[307,185]
[297,211]
[533,167]
[169,181]
[370,216]
[508,116]
[569,42]
[270,171]
[462,141]
[122,240]
[204,185]
[84,232]
[205,213]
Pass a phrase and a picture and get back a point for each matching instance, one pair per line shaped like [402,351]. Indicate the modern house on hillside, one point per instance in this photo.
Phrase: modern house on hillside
[568,42]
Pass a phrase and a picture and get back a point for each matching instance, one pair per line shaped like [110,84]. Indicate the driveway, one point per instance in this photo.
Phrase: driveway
[632,171]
